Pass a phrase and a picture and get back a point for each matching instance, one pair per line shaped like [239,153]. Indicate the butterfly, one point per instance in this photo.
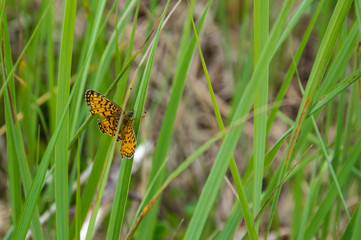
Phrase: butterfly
[110,113]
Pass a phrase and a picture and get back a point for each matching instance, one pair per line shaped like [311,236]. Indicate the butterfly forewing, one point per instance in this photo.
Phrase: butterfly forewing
[99,104]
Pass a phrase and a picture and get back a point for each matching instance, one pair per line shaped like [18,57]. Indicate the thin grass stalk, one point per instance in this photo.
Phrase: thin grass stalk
[13,165]
[282,92]
[36,29]
[319,68]
[102,183]
[328,201]
[326,155]
[78,190]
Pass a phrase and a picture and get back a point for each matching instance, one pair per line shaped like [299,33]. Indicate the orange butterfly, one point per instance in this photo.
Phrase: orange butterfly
[110,112]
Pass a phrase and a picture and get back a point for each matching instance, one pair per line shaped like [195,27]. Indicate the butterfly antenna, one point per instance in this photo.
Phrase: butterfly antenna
[145,114]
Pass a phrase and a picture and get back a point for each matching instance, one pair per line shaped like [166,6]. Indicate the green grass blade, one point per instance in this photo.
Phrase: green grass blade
[139,103]
[61,147]
[83,68]
[106,57]
[13,165]
[318,69]
[335,91]
[16,145]
[328,201]
[340,62]
[261,31]
[121,192]
[316,75]
[328,159]
[138,107]
[105,141]
[78,189]
[357,231]
[103,181]
[314,188]
[180,169]
[349,232]
[233,166]
[166,132]
[38,181]
[50,67]
[220,165]
[286,82]
[12,71]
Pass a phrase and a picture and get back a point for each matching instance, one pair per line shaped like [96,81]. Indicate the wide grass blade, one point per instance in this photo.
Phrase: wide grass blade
[166,133]
[239,186]
[261,31]
[121,192]
[38,181]
[105,141]
[220,165]
[61,147]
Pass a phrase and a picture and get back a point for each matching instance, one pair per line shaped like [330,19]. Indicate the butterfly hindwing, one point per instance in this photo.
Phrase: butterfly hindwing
[109,125]
[127,148]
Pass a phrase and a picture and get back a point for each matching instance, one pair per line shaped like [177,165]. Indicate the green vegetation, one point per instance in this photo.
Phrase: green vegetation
[267,89]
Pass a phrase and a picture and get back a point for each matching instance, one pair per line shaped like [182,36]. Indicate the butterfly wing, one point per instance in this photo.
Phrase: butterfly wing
[109,125]
[99,104]
[127,148]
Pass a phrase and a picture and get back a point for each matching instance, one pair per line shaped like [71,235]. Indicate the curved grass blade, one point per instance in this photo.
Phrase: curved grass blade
[238,183]
[219,168]
[166,133]
[318,69]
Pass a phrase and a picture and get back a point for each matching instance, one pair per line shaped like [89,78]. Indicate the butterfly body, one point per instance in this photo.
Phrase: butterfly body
[109,113]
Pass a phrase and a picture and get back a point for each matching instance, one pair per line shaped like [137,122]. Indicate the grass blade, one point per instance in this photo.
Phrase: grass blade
[220,165]
[61,147]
